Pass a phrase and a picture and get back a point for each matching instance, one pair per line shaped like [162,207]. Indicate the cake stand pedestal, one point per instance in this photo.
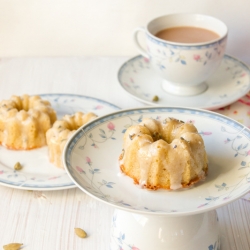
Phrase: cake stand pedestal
[183,219]
[146,232]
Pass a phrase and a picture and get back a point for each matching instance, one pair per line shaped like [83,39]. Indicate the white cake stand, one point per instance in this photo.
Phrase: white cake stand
[146,220]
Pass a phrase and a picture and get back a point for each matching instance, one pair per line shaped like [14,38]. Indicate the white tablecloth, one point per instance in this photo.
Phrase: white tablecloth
[46,220]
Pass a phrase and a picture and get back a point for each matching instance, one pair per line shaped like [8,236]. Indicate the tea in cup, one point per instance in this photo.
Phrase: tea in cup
[184,49]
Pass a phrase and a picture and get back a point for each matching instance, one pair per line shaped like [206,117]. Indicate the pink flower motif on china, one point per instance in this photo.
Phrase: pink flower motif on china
[226,141]
[202,205]
[132,80]
[197,58]
[244,74]
[98,107]
[135,248]
[146,60]
[126,84]
[248,152]
[206,133]
[111,126]
[1,172]
[88,161]
[79,170]
[191,121]
[94,145]
[54,177]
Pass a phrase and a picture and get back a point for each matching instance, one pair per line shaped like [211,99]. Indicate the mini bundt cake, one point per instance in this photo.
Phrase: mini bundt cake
[24,121]
[169,154]
[62,130]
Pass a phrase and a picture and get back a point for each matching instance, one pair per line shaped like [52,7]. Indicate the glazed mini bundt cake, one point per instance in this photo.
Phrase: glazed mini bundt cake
[24,121]
[62,130]
[169,154]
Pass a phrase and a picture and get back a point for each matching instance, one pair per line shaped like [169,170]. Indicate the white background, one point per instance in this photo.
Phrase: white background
[104,27]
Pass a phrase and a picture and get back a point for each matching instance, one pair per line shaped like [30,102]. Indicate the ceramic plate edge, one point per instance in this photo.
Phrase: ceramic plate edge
[202,210]
[70,185]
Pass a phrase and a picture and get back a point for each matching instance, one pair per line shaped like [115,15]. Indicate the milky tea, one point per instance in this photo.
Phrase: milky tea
[187,34]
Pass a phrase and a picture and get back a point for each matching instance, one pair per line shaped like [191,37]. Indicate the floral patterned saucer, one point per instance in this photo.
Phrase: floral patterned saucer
[37,172]
[91,160]
[230,82]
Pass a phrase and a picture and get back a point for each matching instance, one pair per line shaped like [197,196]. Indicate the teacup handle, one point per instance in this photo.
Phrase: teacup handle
[139,47]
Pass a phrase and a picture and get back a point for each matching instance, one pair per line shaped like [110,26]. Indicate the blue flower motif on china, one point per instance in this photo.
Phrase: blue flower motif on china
[215,246]
[104,135]
[119,238]
[234,139]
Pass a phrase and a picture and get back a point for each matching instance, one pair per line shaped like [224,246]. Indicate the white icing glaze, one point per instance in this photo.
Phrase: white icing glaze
[176,161]
[24,121]
[61,131]
[147,150]
[152,125]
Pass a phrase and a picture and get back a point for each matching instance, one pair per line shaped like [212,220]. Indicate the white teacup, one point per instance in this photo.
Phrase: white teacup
[184,67]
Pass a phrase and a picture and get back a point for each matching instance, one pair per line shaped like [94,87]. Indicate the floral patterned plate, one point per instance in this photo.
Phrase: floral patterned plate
[38,173]
[91,160]
[230,82]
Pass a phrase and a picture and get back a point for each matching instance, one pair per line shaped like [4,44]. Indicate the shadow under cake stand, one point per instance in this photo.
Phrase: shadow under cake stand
[144,219]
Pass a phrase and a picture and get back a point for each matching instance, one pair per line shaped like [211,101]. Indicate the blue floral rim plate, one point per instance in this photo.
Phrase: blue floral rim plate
[229,83]
[91,160]
[37,172]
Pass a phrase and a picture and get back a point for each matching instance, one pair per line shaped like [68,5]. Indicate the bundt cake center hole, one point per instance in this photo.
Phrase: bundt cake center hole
[158,136]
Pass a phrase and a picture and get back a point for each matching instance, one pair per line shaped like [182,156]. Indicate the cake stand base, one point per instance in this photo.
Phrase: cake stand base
[131,231]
